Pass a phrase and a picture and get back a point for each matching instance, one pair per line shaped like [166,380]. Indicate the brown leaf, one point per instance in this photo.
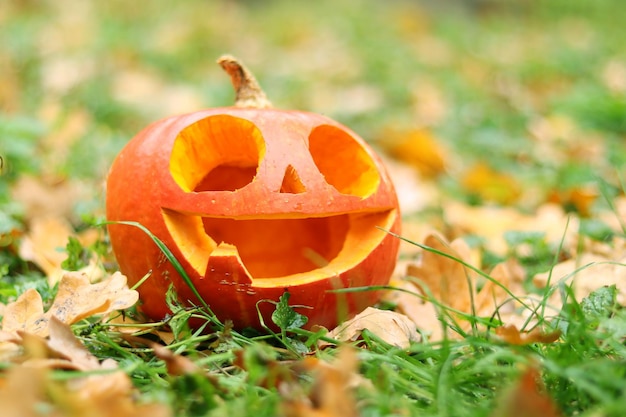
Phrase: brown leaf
[409,303]
[44,245]
[65,344]
[26,390]
[587,273]
[49,197]
[443,277]
[108,393]
[176,364]
[330,394]
[76,299]
[22,390]
[491,185]
[25,314]
[491,222]
[395,329]
[418,148]
[493,297]
[512,335]
[526,399]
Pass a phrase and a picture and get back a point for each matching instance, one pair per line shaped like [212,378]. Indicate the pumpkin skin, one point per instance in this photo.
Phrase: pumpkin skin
[254,203]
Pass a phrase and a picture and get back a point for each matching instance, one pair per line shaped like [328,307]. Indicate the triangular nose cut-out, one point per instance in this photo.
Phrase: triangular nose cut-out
[291,182]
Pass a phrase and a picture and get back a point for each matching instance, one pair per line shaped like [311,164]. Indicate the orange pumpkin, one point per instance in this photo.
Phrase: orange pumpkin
[253,202]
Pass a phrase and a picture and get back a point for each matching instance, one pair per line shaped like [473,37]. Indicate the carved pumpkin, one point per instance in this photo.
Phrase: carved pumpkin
[253,202]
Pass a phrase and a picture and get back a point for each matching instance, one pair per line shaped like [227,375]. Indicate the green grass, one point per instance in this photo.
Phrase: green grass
[498,65]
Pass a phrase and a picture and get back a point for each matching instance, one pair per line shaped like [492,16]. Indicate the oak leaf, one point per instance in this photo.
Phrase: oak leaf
[512,335]
[491,185]
[443,280]
[331,392]
[76,299]
[587,273]
[527,398]
[394,328]
[108,392]
[417,147]
[44,243]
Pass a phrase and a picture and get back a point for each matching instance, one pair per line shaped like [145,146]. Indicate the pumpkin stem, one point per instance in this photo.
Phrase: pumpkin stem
[248,91]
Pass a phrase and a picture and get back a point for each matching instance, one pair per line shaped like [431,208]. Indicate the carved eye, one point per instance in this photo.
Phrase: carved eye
[218,153]
[343,161]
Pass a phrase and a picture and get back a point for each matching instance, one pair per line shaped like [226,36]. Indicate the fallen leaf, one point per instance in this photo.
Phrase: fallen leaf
[26,390]
[22,390]
[407,300]
[493,297]
[513,336]
[331,392]
[614,76]
[45,242]
[176,364]
[64,343]
[416,147]
[491,185]
[26,313]
[44,245]
[107,393]
[587,273]
[49,197]
[76,299]
[491,223]
[394,328]
[414,192]
[581,198]
[441,278]
[527,398]
[126,325]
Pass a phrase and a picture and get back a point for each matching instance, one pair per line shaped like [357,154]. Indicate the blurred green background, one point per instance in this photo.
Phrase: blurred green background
[534,90]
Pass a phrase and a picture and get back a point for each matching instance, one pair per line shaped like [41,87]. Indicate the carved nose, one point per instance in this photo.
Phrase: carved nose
[292,184]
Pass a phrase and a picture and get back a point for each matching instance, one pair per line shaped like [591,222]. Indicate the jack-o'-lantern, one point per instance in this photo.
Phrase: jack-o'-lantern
[254,202]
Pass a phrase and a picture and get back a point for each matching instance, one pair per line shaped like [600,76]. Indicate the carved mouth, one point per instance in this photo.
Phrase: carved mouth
[280,248]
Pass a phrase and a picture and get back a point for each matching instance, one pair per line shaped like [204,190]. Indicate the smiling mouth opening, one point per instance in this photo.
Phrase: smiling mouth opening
[279,248]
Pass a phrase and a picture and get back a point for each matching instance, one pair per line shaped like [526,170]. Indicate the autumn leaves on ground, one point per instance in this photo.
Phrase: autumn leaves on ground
[501,123]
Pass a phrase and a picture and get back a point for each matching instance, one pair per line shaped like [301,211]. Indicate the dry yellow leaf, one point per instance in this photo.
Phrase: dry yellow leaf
[491,185]
[491,223]
[394,328]
[76,299]
[330,395]
[24,314]
[107,393]
[25,391]
[418,148]
[441,276]
[512,335]
[44,245]
[587,273]
[527,398]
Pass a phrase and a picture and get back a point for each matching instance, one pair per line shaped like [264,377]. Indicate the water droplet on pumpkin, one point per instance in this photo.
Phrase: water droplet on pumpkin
[212,201]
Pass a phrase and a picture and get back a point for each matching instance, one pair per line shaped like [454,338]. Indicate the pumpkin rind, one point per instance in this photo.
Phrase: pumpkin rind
[280,180]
